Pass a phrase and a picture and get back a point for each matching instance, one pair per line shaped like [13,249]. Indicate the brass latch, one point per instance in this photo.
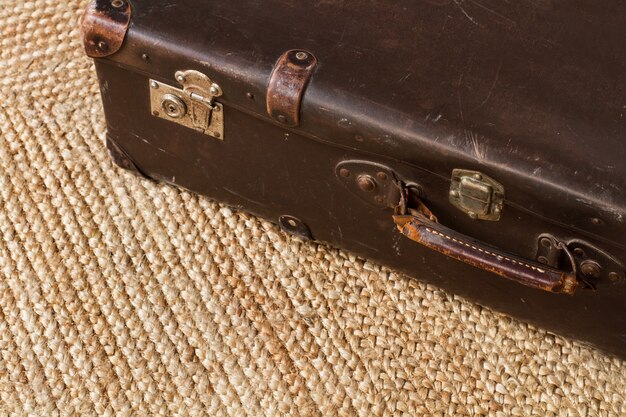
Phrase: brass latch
[193,106]
[479,196]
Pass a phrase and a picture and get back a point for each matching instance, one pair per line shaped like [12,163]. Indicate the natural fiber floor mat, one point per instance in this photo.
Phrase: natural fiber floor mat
[118,295]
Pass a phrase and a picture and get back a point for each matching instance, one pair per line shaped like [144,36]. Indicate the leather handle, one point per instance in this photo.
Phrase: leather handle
[423,228]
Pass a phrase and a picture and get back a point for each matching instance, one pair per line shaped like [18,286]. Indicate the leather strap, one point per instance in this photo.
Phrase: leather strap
[423,228]
[287,85]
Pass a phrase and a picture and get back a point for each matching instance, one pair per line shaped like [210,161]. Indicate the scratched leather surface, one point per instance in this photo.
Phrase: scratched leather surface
[529,90]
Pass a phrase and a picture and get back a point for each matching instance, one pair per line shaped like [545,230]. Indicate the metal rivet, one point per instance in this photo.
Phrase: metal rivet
[613,276]
[366,183]
[250,96]
[156,113]
[454,193]
[214,90]
[477,177]
[217,109]
[591,269]
[118,3]
[344,172]
[382,176]
[472,215]
[302,55]
[543,260]
[596,221]
[145,57]
[103,46]
[546,242]
[282,118]
[180,78]
[579,252]
[217,135]
[292,223]
[358,138]
[497,210]
[344,123]
[154,84]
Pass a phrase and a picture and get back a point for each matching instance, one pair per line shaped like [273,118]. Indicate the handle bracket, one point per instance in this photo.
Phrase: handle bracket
[597,269]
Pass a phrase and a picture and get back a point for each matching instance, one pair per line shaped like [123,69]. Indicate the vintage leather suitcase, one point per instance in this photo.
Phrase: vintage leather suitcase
[407,132]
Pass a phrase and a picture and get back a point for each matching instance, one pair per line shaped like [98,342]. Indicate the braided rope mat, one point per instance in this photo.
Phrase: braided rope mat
[121,296]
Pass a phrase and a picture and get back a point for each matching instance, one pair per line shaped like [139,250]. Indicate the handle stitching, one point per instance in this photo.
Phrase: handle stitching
[497,256]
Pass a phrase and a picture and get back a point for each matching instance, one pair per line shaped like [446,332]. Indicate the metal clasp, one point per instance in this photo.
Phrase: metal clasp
[193,106]
[476,194]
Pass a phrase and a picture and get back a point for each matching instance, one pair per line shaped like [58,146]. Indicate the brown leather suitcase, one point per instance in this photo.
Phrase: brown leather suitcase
[478,146]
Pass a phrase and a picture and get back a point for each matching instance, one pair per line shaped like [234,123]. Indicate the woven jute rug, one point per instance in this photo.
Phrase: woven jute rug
[122,296]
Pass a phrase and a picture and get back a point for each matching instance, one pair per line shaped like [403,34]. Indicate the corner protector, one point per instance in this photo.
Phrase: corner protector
[121,159]
[104,26]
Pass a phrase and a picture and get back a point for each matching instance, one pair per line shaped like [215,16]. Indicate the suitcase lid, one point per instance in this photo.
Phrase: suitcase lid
[531,93]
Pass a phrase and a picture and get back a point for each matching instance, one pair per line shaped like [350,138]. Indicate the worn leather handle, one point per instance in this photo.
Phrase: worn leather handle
[422,227]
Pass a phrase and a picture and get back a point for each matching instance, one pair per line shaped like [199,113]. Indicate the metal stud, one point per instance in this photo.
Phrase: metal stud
[215,90]
[546,242]
[591,269]
[366,183]
[295,226]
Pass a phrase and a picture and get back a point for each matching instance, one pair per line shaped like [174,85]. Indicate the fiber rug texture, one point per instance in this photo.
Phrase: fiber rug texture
[122,296]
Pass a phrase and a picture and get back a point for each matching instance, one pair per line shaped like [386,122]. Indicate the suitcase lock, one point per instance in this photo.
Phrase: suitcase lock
[193,106]
[477,195]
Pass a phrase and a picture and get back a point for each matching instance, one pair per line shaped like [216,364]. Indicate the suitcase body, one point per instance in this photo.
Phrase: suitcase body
[371,125]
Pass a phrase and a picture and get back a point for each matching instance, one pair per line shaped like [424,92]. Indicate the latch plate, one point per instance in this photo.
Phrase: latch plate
[193,106]
[476,194]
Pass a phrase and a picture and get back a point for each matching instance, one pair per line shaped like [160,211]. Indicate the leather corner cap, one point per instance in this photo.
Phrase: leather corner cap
[104,26]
